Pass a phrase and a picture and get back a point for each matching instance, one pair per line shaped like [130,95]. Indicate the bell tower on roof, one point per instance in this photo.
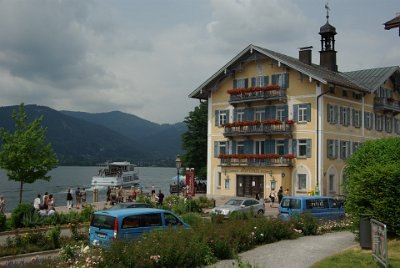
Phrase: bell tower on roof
[328,53]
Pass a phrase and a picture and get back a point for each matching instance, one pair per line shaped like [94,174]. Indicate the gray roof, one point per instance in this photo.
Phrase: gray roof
[251,53]
[373,78]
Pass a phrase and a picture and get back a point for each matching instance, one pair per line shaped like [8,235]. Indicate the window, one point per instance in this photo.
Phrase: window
[332,114]
[356,145]
[345,116]
[301,182]
[397,125]
[259,115]
[356,118]
[171,220]
[220,147]
[280,147]
[219,180]
[344,93]
[144,220]
[388,124]
[240,115]
[240,83]
[368,120]
[302,112]
[227,183]
[332,183]
[280,113]
[259,147]
[221,117]
[259,81]
[281,80]
[332,149]
[240,147]
[378,122]
[302,148]
[344,149]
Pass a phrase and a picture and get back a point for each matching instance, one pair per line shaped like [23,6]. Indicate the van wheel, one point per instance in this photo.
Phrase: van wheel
[260,212]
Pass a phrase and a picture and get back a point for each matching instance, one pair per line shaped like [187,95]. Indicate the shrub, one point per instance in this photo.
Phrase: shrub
[191,218]
[21,211]
[305,223]
[53,235]
[3,220]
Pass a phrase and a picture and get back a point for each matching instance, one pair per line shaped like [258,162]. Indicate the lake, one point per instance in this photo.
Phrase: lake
[64,177]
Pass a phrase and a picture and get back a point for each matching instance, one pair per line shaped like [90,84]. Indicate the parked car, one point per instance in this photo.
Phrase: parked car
[241,204]
[321,207]
[131,205]
[129,224]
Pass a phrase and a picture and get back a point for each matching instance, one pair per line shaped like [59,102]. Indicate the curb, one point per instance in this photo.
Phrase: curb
[27,255]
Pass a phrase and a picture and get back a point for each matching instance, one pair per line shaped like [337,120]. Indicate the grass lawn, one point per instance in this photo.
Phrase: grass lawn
[356,257]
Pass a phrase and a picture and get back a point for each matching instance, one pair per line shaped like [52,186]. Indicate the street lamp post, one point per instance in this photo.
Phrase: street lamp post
[178,163]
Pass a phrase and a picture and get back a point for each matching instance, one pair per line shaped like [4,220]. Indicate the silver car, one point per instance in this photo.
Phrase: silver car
[241,204]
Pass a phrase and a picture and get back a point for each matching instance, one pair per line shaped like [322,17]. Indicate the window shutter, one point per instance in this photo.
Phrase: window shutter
[274,79]
[294,147]
[216,149]
[329,148]
[336,149]
[285,80]
[253,81]
[266,80]
[269,112]
[308,112]
[308,147]
[285,112]
[341,115]
[342,154]
[234,115]
[234,83]
[348,150]
[286,146]
[329,114]
[248,147]
[348,116]
[227,116]
[353,114]
[216,118]
[246,83]
[234,147]
[296,112]
[249,114]
[270,146]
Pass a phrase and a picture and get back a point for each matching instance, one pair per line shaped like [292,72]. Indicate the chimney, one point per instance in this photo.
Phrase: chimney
[305,55]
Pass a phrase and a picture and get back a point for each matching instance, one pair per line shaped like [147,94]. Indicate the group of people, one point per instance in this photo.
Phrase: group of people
[44,205]
[80,198]
[280,195]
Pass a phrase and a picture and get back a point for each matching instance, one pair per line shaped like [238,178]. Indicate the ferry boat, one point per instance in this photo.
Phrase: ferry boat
[116,174]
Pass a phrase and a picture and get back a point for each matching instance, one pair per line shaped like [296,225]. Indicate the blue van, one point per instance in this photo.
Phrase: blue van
[321,207]
[129,224]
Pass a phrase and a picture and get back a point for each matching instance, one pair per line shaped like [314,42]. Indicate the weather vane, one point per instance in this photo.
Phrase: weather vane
[327,11]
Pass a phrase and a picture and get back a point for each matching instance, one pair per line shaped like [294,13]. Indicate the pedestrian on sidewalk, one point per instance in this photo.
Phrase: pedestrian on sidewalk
[78,197]
[83,197]
[2,205]
[69,198]
[280,194]
[272,197]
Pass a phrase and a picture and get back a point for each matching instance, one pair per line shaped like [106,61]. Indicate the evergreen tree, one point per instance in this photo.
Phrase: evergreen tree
[24,153]
[194,141]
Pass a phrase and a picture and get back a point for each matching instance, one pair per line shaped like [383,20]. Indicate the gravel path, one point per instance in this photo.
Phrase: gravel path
[299,253]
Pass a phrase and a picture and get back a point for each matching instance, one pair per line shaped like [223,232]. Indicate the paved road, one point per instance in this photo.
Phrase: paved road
[300,253]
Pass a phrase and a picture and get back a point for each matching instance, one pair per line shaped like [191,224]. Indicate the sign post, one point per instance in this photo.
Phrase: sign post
[190,188]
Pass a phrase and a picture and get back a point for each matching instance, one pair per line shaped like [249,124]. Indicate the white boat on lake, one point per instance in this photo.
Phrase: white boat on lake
[115,174]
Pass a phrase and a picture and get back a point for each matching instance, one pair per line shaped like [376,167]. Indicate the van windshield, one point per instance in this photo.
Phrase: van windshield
[102,221]
[290,203]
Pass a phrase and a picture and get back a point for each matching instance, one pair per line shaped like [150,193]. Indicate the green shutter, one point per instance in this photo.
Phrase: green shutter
[329,114]
[308,148]
[234,83]
[286,146]
[246,83]
[269,146]
[216,118]
[274,78]
[253,81]
[308,112]
[296,112]
[336,112]
[329,149]
[294,147]
[286,112]
[285,80]
[336,149]
[266,80]
[248,147]
[215,148]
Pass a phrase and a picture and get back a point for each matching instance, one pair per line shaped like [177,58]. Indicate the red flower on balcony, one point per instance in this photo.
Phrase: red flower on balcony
[290,122]
[289,156]
[272,87]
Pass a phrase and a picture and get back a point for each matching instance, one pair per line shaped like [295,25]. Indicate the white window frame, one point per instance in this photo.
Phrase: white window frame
[280,113]
[240,147]
[222,117]
[302,143]
[332,114]
[259,81]
[259,147]
[259,115]
[301,179]
[240,115]
[301,113]
[279,144]
[241,83]
[222,145]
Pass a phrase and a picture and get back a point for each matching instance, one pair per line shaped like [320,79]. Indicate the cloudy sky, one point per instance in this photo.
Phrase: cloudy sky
[144,57]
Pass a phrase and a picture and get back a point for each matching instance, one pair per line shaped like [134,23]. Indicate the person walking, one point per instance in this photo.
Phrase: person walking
[69,198]
[83,197]
[2,205]
[160,198]
[272,197]
[280,194]
[78,197]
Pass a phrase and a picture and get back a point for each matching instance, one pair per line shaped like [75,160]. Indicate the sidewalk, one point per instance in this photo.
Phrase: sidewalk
[300,253]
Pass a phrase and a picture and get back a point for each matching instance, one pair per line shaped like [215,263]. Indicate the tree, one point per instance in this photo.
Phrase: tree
[194,141]
[372,182]
[24,153]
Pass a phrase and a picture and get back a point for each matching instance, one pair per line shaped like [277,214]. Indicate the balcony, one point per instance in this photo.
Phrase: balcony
[261,160]
[267,93]
[249,128]
[386,105]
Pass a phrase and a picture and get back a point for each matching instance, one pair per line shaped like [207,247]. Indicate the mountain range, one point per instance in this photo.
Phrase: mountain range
[80,138]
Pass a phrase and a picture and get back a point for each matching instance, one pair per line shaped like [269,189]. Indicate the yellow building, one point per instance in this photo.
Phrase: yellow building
[275,120]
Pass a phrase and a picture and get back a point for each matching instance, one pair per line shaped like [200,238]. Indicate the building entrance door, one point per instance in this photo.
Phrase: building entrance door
[249,185]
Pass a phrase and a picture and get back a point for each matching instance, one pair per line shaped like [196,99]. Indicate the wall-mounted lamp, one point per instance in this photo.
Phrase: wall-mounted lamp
[283,174]
[270,172]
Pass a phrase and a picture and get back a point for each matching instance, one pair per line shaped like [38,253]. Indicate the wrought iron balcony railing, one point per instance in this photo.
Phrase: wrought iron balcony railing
[261,95]
[386,105]
[258,127]
[256,162]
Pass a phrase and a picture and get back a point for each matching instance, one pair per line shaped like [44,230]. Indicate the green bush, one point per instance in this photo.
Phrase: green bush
[21,211]
[305,223]
[3,220]
[372,179]
[191,218]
